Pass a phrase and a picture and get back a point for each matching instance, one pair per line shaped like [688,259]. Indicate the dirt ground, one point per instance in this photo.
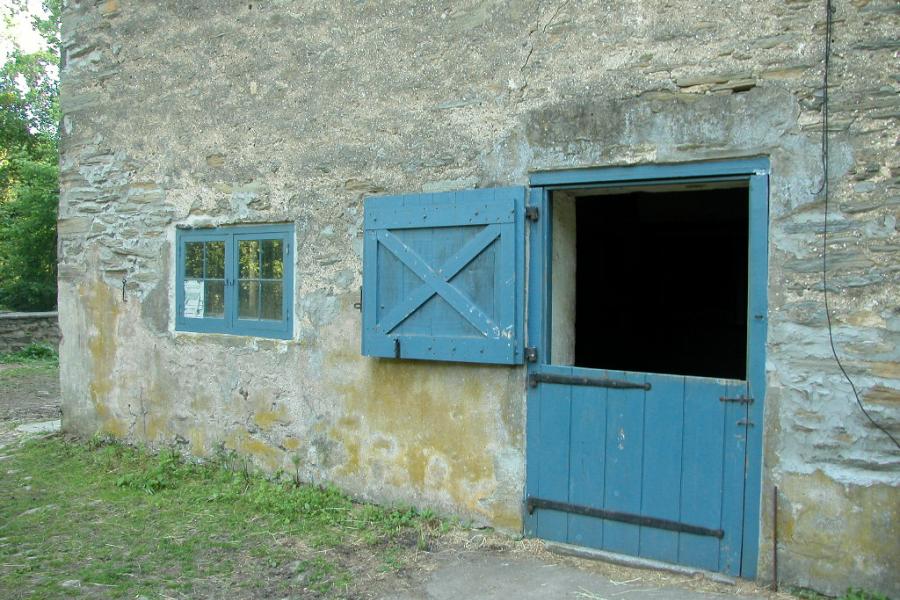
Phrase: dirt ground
[30,394]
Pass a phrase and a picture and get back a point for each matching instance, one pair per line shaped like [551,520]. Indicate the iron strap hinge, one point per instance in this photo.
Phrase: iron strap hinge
[532,213]
[535,378]
[737,399]
[532,503]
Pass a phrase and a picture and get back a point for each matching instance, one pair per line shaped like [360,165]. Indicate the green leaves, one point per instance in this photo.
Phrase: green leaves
[28,236]
[29,172]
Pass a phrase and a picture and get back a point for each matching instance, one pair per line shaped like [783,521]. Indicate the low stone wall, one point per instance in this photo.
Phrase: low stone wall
[17,330]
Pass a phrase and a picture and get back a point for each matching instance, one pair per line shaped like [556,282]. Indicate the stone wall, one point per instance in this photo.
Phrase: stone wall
[18,330]
[213,112]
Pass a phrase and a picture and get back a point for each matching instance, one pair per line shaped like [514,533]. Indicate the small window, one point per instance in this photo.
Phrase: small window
[236,280]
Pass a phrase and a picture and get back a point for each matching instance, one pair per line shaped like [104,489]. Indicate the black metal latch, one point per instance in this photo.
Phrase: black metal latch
[737,399]
[530,354]
[532,213]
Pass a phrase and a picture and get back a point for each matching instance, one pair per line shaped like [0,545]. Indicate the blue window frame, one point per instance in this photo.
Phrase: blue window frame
[236,280]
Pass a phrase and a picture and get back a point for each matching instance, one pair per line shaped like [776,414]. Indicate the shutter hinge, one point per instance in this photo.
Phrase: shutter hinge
[532,213]
[531,354]
[358,305]
[746,422]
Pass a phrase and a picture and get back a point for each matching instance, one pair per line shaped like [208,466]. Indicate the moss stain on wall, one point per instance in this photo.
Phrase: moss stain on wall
[103,313]
[244,442]
[429,425]
[816,508]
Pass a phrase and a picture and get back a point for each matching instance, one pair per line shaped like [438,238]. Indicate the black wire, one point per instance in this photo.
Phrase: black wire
[828,28]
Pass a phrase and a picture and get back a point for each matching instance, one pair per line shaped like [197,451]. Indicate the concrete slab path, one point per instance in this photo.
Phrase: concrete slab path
[491,576]
[40,427]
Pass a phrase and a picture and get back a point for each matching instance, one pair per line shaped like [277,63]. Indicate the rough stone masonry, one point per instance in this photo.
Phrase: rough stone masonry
[217,112]
[18,330]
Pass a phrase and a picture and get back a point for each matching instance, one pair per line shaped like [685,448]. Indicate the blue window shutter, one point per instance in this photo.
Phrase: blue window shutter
[443,276]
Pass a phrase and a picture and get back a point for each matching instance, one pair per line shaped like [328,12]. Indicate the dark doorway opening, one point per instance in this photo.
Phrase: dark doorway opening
[660,280]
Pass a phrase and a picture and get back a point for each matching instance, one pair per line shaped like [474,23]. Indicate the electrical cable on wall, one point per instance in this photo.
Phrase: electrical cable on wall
[828,29]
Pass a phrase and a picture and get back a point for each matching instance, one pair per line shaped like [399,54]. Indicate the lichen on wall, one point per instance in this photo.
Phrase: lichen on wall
[828,530]
[438,429]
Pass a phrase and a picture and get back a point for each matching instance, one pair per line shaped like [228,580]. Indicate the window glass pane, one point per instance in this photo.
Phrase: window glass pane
[193,259]
[193,298]
[248,252]
[214,298]
[215,260]
[248,300]
[272,260]
[271,300]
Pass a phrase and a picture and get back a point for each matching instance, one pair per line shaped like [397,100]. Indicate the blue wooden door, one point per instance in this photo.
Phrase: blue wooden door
[655,470]
[657,466]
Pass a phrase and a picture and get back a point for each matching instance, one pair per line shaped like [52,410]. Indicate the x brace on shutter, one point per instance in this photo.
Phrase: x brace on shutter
[437,281]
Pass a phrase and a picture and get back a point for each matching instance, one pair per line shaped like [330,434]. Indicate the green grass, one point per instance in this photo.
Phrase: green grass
[125,523]
[19,371]
[35,359]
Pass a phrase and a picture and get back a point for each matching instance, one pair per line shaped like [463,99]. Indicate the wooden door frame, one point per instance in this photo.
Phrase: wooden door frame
[755,172]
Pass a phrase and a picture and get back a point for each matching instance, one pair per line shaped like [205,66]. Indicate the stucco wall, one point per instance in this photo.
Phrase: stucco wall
[214,112]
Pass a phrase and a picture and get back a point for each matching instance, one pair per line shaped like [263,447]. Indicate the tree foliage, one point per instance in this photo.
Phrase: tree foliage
[29,171]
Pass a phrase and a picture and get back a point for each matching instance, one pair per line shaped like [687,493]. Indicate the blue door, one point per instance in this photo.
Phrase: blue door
[644,462]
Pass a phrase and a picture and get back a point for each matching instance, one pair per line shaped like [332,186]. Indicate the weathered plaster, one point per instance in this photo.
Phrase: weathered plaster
[813,507]
[210,112]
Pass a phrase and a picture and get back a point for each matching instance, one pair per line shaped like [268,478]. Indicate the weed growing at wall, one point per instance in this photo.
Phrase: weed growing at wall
[31,353]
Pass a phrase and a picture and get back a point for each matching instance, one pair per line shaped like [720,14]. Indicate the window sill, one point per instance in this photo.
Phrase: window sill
[234,340]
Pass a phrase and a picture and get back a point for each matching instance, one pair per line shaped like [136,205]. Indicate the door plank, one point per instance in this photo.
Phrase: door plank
[533,457]
[733,472]
[624,455]
[663,432]
[553,478]
[701,482]
[587,457]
